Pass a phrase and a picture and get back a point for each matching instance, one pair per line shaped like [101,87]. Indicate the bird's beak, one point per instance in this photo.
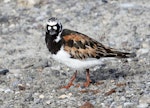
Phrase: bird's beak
[52,32]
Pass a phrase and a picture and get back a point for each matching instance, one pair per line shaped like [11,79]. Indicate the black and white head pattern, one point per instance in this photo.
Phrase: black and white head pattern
[54,28]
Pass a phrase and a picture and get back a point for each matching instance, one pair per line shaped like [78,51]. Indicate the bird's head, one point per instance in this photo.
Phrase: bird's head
[54,27]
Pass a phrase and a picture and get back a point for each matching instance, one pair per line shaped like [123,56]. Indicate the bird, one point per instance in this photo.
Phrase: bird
[77,50]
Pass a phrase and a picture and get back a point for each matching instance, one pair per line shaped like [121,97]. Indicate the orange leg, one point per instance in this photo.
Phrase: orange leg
[88,80]
[71,81]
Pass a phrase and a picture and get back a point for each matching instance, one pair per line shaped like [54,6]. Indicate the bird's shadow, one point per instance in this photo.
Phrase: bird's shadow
[103,74]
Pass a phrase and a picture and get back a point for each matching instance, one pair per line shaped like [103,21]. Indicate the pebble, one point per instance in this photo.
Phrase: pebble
[41,64]
[122,98]
[6,1]
[2,89]
[65,96]
[3,71]
[8,91]
[41,96]
[145,45]
[104,1]
[28,3]
[21,86]
[87,105]
[113,105]
[129,105]
[120,106]
[4,19]
[127,5]
[142,51]
[1,102]
[56,67]
[48,102]
[29,97]
[142,105]
[145,99]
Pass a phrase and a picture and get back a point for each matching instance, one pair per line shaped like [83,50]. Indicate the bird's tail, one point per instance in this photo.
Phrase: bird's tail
[119,54]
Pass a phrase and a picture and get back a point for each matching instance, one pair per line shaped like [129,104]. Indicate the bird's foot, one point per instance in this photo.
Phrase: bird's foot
[71,81]
[68,85]
[87,83]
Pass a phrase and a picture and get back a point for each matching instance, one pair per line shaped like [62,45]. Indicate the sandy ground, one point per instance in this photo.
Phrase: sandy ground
[33,79]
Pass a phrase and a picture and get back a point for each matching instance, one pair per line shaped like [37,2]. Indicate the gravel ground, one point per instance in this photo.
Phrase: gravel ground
[29,78]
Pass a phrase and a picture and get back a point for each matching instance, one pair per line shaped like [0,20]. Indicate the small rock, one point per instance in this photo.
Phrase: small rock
[6,1]
[87,105]
[28,3]
[33,2]
[120,106]
[104,1]
[1,101]
[143,51]
[56,67]
[55,73]
[2,90]
[41,96]
[8,91]
[127,5]
[142,106]
[29,97]
[70,94]
[37,101]
[11,26]
[17,92]
[103,105]
[129,105]
[113,105]
[4,19]
[21,87]
[58,10]
[122,98]
[3,71]
[145,45]
[65,96]
[48,102]
[145,99]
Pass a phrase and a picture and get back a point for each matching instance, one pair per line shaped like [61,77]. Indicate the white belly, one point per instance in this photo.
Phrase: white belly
[64,58]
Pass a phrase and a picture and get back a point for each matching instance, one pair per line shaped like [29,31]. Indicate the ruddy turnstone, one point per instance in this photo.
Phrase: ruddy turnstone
[77,50]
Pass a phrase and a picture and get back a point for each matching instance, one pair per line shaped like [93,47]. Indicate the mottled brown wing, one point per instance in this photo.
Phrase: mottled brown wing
[80,46]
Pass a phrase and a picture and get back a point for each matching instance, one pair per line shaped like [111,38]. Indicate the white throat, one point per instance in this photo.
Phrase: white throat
[58,37]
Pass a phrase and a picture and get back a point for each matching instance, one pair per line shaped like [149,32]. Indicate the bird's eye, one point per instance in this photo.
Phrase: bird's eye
[49,27]
[55,27]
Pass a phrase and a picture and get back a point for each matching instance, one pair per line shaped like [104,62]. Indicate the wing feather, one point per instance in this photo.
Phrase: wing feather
[81,46]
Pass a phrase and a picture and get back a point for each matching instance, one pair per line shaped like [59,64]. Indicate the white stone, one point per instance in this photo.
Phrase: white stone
[129,105]
[65,96]
[142,106]
[6,1]
[8,91]
[48,102]
[142,51]
[144,99]
[41,96]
